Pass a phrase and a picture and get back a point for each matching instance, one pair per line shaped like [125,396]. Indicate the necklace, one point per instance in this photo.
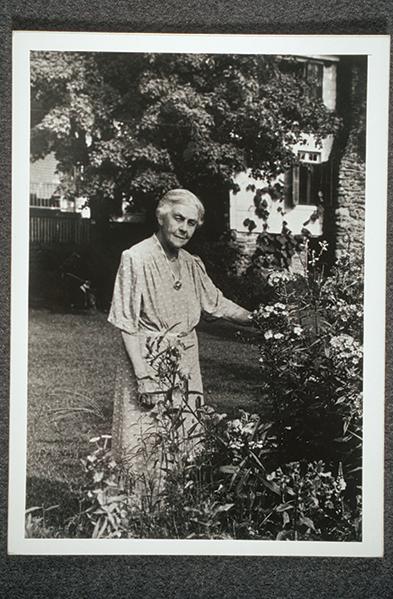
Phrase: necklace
[177,284]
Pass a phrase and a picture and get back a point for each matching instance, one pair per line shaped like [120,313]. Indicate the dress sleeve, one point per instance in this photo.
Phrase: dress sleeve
[213,303]
[127,294]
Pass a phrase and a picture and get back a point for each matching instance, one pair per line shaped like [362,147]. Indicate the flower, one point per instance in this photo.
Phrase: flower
[268,334]
[345,349]
[324,246]
[276,277]
[279,306]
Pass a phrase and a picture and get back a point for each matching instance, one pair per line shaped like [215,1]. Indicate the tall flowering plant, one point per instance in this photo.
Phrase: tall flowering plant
[311,360]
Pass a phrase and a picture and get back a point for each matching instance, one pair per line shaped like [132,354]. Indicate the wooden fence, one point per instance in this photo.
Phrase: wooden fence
[59,229]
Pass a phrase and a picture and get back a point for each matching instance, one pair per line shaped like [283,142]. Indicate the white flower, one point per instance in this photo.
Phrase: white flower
[297,330]
[278,335]
[323,245]
[342,341]
[279,306]
[276,277]
[272,280]
[268,334]
[345,347]
[236,424]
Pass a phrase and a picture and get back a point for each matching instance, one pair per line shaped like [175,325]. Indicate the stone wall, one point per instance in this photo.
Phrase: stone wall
[245,244]
[350,194]
[350,211]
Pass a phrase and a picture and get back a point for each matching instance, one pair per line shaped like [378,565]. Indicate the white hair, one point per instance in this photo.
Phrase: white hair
[180,196]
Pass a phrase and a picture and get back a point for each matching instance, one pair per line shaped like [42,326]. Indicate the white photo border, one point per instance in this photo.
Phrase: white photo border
[376,48]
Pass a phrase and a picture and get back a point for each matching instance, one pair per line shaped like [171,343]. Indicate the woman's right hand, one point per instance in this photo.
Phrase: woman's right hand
[147,391]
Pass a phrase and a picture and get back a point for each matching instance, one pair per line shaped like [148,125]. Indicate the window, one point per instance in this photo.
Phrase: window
[308,69]
[313,157]
[313,74]
[309,181]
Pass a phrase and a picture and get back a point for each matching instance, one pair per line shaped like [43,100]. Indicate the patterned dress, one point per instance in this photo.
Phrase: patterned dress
[146,304]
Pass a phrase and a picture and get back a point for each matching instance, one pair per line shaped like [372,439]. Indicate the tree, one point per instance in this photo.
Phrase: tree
[137,125]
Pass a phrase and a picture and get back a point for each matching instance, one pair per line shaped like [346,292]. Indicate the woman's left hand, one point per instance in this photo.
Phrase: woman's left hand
[147,400]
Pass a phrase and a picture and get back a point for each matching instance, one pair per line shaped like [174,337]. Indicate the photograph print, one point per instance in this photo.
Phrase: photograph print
[196,279]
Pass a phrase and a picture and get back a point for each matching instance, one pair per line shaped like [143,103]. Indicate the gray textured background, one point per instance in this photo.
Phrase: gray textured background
[185,577]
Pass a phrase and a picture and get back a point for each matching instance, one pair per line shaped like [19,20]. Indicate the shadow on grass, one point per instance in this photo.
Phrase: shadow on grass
[232,386]
[248,377]
[228,331]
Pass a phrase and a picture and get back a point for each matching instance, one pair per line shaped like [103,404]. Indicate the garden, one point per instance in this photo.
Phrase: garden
[276,449]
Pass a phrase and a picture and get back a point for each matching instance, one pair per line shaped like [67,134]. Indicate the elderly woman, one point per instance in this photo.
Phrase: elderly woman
[161,288]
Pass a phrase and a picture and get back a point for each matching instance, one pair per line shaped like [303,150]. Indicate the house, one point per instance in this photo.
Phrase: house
[324,192]
[44,189]
[54,218]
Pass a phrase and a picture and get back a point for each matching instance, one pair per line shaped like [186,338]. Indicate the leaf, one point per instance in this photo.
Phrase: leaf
[359,468]
[229,469]
[341,399]
[96,529]
[284,506]
[242,481]
[224,508]
[307,522]
[257,461]
[52,507]
[238,470]
[271,485]
[117,499]
[285,518]
[33,509]
[102,529]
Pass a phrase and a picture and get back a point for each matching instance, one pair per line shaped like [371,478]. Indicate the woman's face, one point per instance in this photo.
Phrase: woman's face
[178,225]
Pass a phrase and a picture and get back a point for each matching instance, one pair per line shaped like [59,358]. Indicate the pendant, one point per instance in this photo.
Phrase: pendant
[177,285]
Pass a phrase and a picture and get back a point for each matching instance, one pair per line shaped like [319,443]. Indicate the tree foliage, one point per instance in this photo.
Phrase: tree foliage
[137,125]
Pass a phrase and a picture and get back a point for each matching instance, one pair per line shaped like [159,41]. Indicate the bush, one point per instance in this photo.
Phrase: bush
[207,476]
[311,362]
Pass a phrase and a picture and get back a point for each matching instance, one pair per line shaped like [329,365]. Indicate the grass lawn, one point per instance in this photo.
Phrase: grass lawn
[72,365]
